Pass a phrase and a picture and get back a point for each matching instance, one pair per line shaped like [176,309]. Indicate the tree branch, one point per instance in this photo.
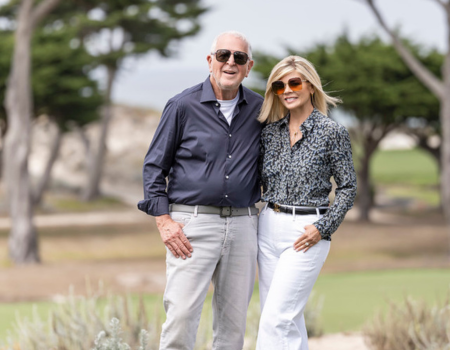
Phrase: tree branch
[425,76]
[41,10]
[442,3]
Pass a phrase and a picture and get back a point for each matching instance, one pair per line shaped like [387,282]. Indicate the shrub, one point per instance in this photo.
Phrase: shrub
[75,324]
[114,341]
[410,326]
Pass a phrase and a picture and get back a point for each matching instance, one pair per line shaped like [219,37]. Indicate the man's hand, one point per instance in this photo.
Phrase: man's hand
[173,236]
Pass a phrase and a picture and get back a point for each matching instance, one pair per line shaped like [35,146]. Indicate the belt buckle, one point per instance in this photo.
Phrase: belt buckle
[226,213]
[276,208]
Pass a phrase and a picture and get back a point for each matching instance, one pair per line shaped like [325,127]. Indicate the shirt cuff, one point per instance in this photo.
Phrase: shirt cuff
[324,233]
[154,206]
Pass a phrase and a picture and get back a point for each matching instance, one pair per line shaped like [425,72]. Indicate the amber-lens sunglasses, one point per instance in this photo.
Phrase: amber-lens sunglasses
[295,84]
[223,55]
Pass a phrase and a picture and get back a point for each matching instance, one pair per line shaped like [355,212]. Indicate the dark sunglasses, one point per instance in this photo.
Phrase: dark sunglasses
[295,84]
[223,55]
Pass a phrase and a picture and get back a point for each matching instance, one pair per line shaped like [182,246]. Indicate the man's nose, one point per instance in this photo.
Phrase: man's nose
[231,60]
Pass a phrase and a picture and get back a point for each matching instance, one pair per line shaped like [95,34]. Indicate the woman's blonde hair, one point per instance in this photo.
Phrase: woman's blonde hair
[273,110]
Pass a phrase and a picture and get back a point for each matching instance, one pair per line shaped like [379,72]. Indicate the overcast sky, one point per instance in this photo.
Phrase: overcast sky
[270,25]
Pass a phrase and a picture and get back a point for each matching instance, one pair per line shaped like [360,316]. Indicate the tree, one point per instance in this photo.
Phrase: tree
[62,88]
[23,245]
[378,90]
[439,87]
[114,30]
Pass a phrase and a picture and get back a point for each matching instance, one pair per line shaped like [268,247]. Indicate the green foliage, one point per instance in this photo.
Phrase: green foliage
[410,326]
[115,29]
[61,84]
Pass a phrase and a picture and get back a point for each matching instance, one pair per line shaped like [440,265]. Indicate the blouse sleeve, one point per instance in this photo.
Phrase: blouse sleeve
[343,171]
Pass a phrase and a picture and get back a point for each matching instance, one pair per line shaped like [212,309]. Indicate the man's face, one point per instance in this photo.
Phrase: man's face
[227,76]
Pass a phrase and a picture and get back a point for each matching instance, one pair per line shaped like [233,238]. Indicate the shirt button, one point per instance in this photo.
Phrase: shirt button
[227,177]
[229,135]
[226,196]
[229,156]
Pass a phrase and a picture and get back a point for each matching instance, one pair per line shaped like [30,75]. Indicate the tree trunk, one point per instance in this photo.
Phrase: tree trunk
[445,150]
[96,156]
[364,188]
[23,244]
[45,178]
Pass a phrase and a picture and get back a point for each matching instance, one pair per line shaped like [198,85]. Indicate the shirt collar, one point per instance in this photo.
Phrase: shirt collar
[208,94]
[307,125]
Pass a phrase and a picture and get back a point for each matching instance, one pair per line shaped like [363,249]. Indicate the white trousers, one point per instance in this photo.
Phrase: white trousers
[286,278]
[225,250]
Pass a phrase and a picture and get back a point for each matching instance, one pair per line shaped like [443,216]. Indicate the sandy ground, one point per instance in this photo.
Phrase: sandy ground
[340,341]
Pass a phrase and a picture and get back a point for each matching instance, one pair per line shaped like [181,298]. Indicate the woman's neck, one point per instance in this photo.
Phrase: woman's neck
[298,116]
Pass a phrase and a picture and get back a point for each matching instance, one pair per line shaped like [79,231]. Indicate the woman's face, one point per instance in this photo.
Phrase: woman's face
[296,99]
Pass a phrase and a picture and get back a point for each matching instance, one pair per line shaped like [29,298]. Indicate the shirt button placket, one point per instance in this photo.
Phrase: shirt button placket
[227,166]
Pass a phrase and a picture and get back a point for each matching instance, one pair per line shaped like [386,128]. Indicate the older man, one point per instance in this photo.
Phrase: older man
[207,144]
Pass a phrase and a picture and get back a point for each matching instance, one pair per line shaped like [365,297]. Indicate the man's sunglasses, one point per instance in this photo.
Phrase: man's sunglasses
[223,55]
[295,84]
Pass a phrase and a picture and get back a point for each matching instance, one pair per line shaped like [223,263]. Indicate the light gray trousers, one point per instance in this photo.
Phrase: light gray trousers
[225,251]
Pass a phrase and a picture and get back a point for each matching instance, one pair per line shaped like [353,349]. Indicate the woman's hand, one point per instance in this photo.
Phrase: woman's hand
[308,239]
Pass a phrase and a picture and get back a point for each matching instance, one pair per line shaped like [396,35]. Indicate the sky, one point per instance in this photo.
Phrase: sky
[270,26]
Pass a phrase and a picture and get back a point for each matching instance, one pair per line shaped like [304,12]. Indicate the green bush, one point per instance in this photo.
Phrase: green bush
[410,326]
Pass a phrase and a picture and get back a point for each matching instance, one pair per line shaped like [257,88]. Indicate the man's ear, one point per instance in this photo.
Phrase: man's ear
[209,59]
[249,68]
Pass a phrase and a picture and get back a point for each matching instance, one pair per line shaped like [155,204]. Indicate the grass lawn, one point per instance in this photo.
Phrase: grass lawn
[349,299]
[405,167]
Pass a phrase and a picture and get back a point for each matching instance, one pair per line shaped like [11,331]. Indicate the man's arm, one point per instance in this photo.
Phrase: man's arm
[157,164]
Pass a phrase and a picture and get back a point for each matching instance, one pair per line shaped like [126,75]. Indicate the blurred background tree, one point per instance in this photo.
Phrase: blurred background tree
[379,93]
[77,37]
[439,86]
[112,31]
[23,244]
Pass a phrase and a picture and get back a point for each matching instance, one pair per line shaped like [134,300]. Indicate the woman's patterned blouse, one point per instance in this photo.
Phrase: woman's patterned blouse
[301,175]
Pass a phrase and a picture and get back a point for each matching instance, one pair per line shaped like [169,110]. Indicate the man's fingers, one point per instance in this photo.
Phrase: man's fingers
[175,254]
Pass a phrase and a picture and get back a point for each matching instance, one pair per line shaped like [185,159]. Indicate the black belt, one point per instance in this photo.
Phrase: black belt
[300,211]
[209,209]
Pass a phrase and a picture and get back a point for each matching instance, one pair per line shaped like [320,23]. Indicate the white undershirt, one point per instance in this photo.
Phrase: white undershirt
[227,107]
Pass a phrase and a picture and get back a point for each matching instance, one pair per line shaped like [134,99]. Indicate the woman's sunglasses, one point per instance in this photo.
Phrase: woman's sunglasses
[295,84]
[223,55]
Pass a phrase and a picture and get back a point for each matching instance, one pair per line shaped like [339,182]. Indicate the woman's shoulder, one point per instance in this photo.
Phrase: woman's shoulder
[270,128]
[328,123]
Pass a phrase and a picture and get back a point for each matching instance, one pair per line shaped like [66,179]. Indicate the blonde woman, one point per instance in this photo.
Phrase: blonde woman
[301,149]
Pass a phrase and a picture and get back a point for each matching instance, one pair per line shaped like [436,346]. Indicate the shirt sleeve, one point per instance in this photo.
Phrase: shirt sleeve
[159,160]
[343,171]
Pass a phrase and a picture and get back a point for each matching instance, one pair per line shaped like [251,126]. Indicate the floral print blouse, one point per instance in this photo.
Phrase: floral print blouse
[301,175]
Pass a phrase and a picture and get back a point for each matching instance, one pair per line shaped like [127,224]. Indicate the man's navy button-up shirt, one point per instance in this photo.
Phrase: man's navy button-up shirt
[206,161]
